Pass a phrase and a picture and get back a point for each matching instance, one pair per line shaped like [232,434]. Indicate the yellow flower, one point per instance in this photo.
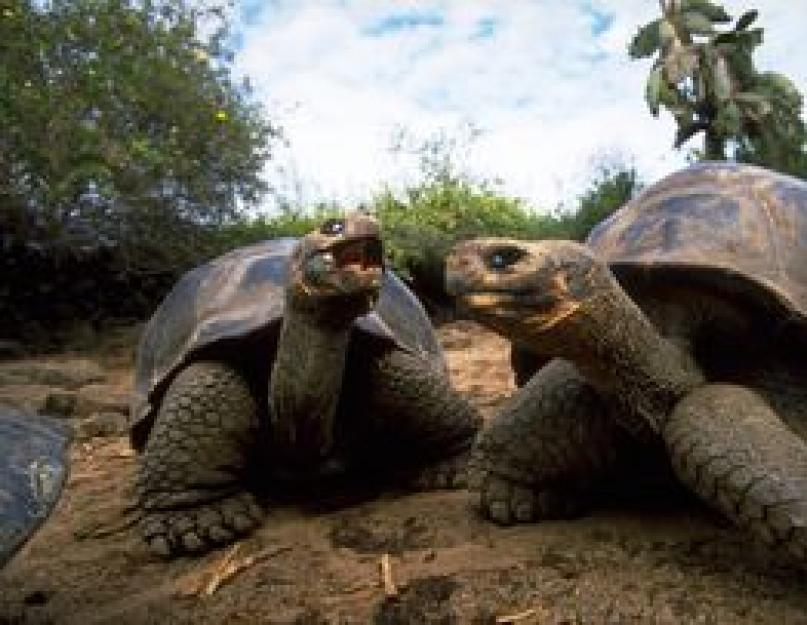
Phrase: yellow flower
[221,116]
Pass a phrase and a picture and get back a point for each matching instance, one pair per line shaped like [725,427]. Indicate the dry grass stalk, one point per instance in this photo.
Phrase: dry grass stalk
[225,569]
[390,590]
[222,571]
[515,618]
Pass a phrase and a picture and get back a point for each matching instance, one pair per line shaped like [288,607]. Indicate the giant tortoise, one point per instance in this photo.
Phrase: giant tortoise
[33,466]
[276,369]
[681,326]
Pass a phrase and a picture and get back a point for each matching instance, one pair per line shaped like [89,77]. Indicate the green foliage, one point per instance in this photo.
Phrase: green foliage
[647,41]
[696,23]
[611,188]
[746,19]
[706,78]
[655,84]
[781,143]
[289,223]
[420,227]
[422,223]
[123,127]
[713,12]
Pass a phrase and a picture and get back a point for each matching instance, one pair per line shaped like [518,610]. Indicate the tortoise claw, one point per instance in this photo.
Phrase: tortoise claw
[169,533]
[506,502]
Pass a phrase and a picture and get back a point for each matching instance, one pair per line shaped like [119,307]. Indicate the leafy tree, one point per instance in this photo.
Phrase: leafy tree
[706,78]
[122,126]
[783,144]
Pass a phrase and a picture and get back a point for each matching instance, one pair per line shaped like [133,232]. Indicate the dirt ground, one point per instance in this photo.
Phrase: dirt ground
[639,562]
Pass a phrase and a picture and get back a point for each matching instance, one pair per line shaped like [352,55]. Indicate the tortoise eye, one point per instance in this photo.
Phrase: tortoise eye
[333,227]
[503,257]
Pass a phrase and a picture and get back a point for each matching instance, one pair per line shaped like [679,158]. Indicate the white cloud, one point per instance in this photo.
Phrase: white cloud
[548,93]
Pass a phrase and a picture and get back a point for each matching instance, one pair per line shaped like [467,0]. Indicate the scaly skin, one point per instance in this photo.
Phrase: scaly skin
[552,443]
[725,443]
[414,423]
[731,448]
[196,465]
[191,482]
[305,385]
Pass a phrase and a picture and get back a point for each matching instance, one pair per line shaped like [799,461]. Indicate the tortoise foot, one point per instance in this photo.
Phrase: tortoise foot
[170,533]
[506,502]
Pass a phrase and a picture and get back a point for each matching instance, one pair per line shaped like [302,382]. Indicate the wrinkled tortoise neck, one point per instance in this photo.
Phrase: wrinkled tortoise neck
[305,384]
[620,350]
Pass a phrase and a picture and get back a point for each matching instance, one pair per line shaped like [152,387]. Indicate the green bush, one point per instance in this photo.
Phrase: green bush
[289,223]
[611,187]
[420,225]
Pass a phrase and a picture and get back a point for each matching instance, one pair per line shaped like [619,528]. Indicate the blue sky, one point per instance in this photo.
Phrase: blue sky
[546,84]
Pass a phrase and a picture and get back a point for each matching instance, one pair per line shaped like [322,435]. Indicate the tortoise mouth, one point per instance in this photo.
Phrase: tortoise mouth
[348,268]
[492,307]
[363,253]
[518,313]
[491,300]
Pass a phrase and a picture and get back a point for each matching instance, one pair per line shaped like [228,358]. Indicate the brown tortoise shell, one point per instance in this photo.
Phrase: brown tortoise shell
[234,297]
[738,229]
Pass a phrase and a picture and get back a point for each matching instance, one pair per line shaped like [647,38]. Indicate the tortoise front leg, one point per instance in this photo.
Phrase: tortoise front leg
[416,425]
[729,446]
[191,482]
[551,444]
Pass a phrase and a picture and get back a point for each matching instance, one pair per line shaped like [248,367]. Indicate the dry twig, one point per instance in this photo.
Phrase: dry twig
[223,570]
[390,589]
[515,618]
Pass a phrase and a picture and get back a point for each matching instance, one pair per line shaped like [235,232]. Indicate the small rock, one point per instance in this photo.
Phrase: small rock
[60,404]
[101,424]
[100,398]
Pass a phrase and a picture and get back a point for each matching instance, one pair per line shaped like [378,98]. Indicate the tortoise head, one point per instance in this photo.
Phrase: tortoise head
[338,267]
[334,277]
[526,290]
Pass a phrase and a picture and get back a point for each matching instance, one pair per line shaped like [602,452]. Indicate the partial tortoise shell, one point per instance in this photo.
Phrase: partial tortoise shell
[738,229]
